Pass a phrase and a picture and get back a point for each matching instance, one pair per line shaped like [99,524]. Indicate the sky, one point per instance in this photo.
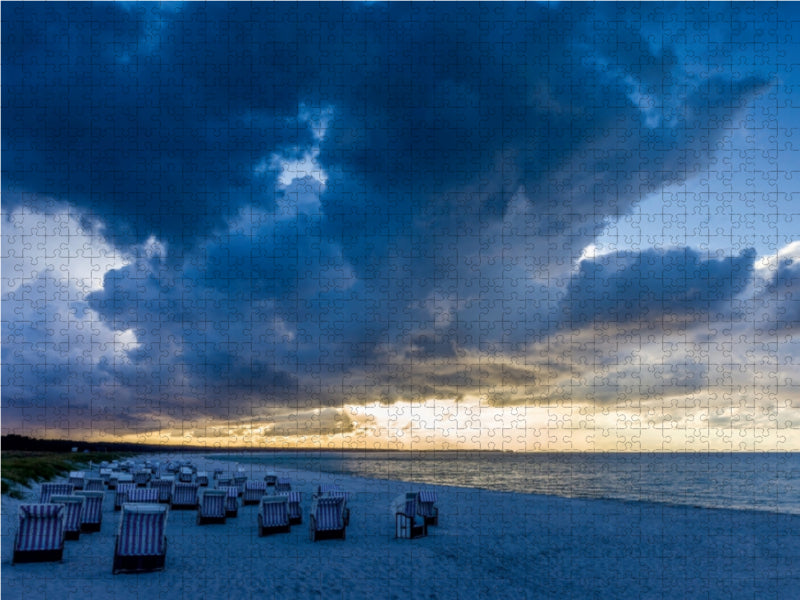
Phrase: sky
[527,227]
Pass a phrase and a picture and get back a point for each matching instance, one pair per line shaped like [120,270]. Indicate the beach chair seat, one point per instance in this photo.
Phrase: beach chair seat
[327,518]
[239,481]
[164,487]
[295,511]
[92,513]
[426,507]
[94,484]
[143,495]
[141,477]
[282,485]
[51,489]
[201,478]
[141,542]
[73,508]
[231,500]
[273,515]
[253,490]
[40,536]
[407,523]
[185,475]
[77,479]
[121,494]
[184,495]
[212,507]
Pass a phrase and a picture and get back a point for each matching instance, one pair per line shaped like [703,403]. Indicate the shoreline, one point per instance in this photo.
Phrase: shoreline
[488,543]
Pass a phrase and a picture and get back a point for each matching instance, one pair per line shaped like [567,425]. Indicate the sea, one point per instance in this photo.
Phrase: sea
[742,481]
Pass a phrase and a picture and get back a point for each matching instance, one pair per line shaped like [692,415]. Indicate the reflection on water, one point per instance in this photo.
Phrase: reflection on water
[769,481]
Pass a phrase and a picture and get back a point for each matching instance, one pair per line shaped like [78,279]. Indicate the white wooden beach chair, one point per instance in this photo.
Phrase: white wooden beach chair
[164,487]
[253,490]
[40,536]
[92,514]
[184,495]
[77,479]
[73,508]
[121,494]
[327,519]
[141,543]
[295,511]
[426,507]
[407,523]
[51,489]
[143,496]
[212,507]
[273,515]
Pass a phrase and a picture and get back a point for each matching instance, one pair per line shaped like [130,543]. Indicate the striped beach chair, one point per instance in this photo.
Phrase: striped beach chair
[273,515]
[239,481]
[253,490]
[231,500]
[201,478]
[73,508]
[121,494]
[295,511]
[77,479]
[282,485]
[327,519]
[426,507]
[164,487]
[218,473]
[212,507]
[40,536]
[141,543]
[51,489]
[105,474]
[143,496]
[270,479]
[184,495]
[185,475]
[94,484]
[141,477]
[407,523]
[92,514]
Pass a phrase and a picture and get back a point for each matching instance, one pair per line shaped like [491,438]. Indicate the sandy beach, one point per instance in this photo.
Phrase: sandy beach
[487,545]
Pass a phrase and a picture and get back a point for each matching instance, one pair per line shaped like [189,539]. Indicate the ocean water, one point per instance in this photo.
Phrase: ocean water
[763,481]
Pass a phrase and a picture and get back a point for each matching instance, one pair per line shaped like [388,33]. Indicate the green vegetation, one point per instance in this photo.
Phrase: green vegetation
[21,468]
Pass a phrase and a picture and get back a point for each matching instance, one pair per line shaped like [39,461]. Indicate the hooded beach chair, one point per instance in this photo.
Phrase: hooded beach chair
[282,485]
[253,490]
[121,494]
[105,474]
[73,508]
[184,495]
[185,475]
[51,489]
[295,512]
[141,477]
[231,500]
[77,479]
[270,479]
[143,496]
[239,480]
[327,519]
[92,513]
[212,507]
[426,507]
[407,523]
[141,543]
[40,536]
[94,485]
[201,478]
[164,487]
[273,515]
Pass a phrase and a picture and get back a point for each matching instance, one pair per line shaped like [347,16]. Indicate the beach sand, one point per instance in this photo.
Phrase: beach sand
[487,545]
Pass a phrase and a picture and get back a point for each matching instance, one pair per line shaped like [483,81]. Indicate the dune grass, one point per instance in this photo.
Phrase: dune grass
[20,468]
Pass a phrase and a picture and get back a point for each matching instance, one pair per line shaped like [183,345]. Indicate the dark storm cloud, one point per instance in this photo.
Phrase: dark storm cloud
[646,286]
